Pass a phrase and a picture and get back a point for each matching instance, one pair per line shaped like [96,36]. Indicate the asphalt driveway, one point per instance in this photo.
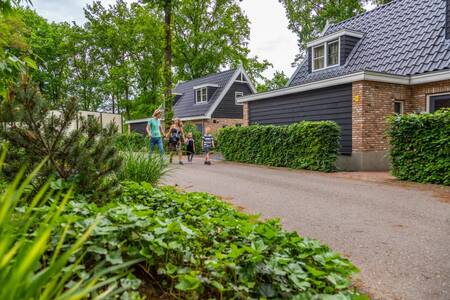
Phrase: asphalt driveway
[397,234]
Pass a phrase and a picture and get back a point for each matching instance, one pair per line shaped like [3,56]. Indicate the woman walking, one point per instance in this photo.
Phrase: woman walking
[175,136]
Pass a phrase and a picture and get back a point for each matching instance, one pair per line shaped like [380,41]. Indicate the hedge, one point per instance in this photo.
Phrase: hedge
[304,145]
[420,147]
[131,141]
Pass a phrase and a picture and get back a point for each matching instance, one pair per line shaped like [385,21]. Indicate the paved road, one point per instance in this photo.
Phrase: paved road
[398,236]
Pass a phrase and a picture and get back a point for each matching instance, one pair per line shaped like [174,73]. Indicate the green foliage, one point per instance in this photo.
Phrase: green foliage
[279,80]
[131,142]
[37,257]
[141,167]
[420,147]
[197,247]
[304,145]
[84,156]
[196,135]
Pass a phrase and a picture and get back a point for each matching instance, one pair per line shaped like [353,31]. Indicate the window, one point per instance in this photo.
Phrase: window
[436,102]
[398,107]
[241,78]
[325,55]
[237,95]
[201,95]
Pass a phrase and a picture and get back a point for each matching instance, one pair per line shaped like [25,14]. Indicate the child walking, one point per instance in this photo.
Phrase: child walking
[207,144]
[190,147]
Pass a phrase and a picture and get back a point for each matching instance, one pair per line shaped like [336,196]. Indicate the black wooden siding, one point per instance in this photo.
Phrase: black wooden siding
[228,108]
[333,104]
[347,44]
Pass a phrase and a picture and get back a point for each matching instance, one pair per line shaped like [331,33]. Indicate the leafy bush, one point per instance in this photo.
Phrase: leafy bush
[140,167]
[131,142]
[196,135]
[197,247]
[304,145]
[85,156]
[36,256]
[420,147]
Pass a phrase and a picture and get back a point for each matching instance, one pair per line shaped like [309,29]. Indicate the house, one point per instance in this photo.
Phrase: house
[393,59]
[209,101]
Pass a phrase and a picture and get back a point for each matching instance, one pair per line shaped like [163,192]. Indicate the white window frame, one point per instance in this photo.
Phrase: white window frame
[202,99]
[325,57]
[402,106]
[236,95]
[428,104]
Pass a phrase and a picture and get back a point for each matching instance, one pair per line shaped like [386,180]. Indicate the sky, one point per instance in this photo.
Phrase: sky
[269,38]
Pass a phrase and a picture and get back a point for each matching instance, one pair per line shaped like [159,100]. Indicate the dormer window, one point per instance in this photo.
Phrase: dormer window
[325,55]
[201,95]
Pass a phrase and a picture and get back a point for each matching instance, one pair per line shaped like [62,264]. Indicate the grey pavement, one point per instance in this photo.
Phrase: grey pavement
[399,236]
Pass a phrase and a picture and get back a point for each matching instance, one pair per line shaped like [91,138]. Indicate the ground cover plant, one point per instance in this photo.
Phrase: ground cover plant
[304,145]
[420,147]
[37,261]
[195,246]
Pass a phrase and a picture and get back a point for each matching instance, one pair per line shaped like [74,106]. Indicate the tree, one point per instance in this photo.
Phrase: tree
[279,80]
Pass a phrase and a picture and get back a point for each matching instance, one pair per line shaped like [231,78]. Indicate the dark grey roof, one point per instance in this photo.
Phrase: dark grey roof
[405,37]
[186,106]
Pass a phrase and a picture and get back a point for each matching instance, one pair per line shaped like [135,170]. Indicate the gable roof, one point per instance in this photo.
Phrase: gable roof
[186,107]
[404,37]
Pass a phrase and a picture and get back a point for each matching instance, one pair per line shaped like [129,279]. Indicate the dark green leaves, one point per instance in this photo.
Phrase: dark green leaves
[420,147]
[304,145]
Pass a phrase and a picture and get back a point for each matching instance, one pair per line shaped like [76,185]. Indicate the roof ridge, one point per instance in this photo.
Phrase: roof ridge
[209,75]
[365,13]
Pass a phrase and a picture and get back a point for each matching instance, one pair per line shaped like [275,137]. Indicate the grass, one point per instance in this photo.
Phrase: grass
[140,167]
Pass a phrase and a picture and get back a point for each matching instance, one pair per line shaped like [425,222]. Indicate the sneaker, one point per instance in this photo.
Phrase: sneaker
[181,163]
[206,162]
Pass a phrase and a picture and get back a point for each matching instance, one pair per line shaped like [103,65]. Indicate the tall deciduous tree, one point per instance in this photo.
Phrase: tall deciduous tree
[279,80]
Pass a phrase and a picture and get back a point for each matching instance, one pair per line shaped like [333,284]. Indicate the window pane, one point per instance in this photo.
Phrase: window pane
[333,53]
[398,107]
[204,94]
[319,61]
[319,52]
[198,96]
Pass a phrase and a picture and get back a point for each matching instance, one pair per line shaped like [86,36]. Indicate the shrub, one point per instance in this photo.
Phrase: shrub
[85,156]
[197,247]
[140,167]
[304,145]
[420,147]
[36,255]
[131,142]
[196,134]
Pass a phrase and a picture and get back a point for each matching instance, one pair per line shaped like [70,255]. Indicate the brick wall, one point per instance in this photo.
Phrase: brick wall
[420,92]
[245,121]
[216,123]
[373,103]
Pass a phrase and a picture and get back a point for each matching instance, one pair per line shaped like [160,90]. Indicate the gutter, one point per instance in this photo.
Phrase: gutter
[349,78]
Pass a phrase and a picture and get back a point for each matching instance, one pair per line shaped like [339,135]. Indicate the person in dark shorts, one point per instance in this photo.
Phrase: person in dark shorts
[175,136]
[207,144]
[190,147]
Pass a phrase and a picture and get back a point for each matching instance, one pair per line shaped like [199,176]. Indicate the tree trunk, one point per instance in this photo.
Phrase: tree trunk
[168,113]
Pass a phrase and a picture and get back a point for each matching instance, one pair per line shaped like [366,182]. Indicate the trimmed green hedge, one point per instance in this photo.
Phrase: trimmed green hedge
[420,147]
[304,145]
[131,141]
